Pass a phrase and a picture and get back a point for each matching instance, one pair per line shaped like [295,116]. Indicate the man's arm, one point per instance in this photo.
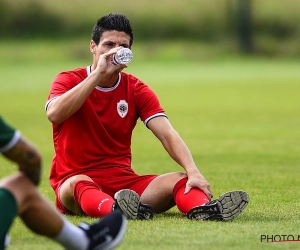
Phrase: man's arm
[62,107]
[28,159]
[177,149]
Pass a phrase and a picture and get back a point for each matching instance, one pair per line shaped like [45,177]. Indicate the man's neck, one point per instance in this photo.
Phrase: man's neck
[109,81]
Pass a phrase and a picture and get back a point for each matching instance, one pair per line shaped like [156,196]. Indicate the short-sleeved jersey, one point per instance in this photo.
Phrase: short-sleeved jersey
[99,134]
[8,136]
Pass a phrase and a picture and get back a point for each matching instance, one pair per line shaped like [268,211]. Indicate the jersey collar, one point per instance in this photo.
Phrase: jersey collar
[88,70]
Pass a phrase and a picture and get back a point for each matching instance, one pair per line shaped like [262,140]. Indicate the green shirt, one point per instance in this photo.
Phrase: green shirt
[8,136]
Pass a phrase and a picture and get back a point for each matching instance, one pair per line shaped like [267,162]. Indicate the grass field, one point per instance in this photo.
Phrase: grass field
[240,119]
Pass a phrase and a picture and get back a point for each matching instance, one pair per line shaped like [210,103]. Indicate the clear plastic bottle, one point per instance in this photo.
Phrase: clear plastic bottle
[123,56]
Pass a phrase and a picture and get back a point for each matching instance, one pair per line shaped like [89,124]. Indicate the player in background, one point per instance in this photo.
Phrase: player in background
[19,196]
[93,111]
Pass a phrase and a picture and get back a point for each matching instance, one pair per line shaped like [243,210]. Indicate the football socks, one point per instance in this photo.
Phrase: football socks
[185,202]
[91,199]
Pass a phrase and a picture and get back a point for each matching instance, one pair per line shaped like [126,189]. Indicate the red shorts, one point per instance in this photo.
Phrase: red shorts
[112,180]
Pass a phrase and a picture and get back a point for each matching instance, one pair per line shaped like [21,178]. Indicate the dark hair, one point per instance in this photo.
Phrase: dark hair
[112,21]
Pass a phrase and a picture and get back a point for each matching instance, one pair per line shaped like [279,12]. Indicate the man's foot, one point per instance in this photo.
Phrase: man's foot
[107,233]
[129,203]
[225,208]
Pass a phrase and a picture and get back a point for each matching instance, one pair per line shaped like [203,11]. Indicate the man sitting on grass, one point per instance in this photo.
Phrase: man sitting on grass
[93,110]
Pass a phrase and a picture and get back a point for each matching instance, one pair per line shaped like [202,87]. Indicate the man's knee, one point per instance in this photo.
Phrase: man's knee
[66,193]
[68,185]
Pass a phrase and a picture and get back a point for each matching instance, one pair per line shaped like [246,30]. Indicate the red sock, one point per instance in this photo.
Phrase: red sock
[91,199]
[185,202]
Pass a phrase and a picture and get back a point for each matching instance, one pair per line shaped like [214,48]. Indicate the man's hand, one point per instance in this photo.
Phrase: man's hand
[197,180]
[105,64]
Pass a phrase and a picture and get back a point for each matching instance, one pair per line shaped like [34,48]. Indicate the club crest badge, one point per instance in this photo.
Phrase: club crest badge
[122,107]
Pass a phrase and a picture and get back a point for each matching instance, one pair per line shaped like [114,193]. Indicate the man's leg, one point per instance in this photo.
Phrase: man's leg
[8,211]
[32,206]
[39,215]
[167,190]
[196,205]
[159,192]
[42,218]
[81,195]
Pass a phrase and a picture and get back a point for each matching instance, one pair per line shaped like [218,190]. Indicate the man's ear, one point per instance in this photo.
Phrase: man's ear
[93,46]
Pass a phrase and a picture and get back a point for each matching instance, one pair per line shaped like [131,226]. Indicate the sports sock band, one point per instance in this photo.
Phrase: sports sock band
[185,202]
[91,199]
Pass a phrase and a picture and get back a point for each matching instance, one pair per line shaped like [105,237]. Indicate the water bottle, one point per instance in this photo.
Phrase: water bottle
[123,56]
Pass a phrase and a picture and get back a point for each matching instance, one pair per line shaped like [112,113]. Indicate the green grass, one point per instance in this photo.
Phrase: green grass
[240,119]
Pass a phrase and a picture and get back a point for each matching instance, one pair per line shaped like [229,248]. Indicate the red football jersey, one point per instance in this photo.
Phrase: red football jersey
[99,134]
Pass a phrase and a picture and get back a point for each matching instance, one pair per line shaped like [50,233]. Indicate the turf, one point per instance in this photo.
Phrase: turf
[240,119]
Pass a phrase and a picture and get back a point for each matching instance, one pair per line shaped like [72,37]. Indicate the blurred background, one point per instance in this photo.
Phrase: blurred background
[194,29]
[233,62]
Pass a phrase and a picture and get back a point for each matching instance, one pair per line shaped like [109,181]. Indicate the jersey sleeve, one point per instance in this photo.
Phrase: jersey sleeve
[147,103]
[61,84]
[8,136]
